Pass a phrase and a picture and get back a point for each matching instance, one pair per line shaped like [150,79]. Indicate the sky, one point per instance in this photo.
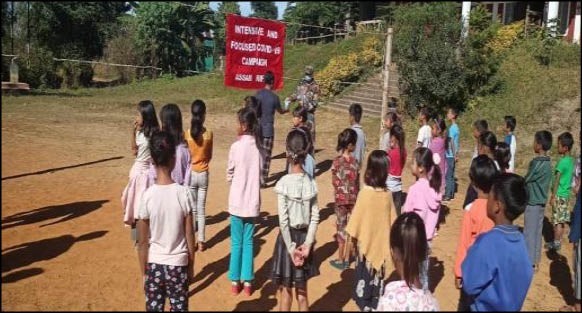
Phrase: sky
[245,7]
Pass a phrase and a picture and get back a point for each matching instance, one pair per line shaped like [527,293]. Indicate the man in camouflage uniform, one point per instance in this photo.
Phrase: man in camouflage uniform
[307,94]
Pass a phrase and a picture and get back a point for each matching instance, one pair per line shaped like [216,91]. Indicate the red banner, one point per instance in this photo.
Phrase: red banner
[253,47]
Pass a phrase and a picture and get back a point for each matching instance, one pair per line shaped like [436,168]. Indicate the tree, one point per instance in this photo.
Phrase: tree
[170,34]
[224,8]
[325,14]
[425,41]
[83,27]
[264,9]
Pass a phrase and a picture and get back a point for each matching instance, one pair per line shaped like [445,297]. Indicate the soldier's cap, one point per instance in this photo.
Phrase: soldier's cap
[309,70]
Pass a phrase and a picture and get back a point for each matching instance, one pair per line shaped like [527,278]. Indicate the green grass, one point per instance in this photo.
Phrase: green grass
[183,91]
[539,96]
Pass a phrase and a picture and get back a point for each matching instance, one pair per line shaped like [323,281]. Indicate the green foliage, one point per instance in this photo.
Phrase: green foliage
[480,63]
[40,72]
[224,8]
[425,43]
[350,67]
[82,25]
[529,86]
[122,49]
[264,9]
[326,14]
[170,34]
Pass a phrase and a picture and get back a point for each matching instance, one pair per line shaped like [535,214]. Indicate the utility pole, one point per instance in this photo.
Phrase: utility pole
[385,86]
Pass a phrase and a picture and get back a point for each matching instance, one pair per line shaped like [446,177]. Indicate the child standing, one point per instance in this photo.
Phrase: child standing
[397,157]
[486,146]
[479,127]
[438,145]
[510,140]
[171,118]
[496,271]
[424,198]
[575,240]
[390,119]
[244,199]
[166,240]
[144,126]
[298,219]
[344,178]
[502,156]
[475,221]
[355,117]
[561,188]
[199,140]
[408,250]
[369,226]
[452,154]
[300,123]
[424,133]
[537,182]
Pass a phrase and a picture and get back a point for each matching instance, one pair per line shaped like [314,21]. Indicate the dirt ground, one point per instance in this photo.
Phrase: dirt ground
[64,246]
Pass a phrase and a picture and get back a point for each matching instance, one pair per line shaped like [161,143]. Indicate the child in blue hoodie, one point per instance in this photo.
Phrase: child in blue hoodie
[499,281]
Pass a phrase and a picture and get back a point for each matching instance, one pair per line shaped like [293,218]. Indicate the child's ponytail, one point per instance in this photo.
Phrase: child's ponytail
[430,161]
[398,133]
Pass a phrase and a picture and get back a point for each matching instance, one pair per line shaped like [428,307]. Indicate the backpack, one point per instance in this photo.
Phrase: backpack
[306,94]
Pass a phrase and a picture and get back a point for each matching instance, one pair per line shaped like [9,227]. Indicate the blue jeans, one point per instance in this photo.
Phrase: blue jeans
[241,249]
[532,231]
[450,178]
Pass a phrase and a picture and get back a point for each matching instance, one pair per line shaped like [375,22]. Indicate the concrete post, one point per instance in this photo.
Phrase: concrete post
[552,15]
[576,37]
[465,13]
[386,82]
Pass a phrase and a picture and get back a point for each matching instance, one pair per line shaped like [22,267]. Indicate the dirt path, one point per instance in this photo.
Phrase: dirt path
[64,246]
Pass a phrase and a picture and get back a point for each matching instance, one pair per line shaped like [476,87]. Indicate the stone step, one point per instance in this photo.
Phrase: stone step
[372,94]
[362,100]
[341,107]
[347,103]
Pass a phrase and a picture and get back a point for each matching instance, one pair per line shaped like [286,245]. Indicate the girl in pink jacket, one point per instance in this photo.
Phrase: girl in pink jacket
[244,199]
[424,197]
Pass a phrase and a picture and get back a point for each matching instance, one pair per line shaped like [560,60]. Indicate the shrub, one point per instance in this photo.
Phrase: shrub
[506,37]
[40,72]
[73,74]
[349,67]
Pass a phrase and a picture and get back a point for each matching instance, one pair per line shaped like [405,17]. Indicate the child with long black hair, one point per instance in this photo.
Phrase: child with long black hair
[171,118]
[166,238]
[369,228]
[300,123]
[298,219]
[344,178]
[199,140]
[486,145]
[397,157]
[438,144]
[408,247]
[502,156]
[424,197]
[144,126]
[244,199]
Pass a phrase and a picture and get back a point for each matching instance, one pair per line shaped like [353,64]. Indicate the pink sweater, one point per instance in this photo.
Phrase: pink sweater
[244,173]
[426,202]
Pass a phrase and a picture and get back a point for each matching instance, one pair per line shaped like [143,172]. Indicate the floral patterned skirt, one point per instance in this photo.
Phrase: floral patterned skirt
[369,285]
